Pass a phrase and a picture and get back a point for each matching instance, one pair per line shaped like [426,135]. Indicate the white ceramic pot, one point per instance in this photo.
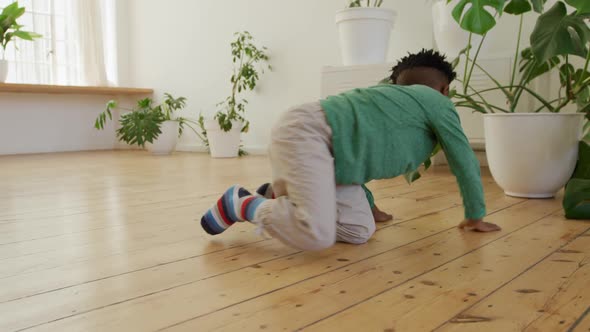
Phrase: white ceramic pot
[3,70]
[532,155]
[364,34]
[450,38]
[223,144]
[166,141]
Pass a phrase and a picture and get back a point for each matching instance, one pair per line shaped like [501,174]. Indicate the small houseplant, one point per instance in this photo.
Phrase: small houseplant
[147,125]
[365,29]
[532,154]
[223,133]
[10,30]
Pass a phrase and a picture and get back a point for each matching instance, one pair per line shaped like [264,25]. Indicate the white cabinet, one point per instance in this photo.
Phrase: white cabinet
[340,79]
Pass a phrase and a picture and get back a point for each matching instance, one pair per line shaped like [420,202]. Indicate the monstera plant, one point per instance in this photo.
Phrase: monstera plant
[518,145]
[559,35]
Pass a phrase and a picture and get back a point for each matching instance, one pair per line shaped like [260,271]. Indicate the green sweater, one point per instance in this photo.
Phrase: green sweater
[387,130]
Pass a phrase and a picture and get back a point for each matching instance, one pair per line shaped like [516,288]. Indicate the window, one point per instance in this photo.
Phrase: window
[59,56]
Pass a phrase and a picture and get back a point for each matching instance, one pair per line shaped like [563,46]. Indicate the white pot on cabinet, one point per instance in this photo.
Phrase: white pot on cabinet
[223,144]
[364,34]
[532,155]
[166,141]
[450,38]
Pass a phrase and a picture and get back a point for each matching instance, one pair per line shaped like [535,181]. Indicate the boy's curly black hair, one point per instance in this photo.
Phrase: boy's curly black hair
[424,58]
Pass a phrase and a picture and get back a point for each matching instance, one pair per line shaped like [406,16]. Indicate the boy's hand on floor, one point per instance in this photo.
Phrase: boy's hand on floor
[381,216]
[479,226]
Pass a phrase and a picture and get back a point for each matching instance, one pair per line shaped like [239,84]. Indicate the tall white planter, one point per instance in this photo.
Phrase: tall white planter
[223,144]
[532,155]
[450,38]
[364,34]
[166,141]
[3,70]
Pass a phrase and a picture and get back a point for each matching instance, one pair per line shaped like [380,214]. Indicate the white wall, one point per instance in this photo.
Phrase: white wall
[49,123]
[182,47]
[38,123]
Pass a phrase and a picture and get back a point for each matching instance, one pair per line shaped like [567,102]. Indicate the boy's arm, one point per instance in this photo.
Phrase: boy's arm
[462,161]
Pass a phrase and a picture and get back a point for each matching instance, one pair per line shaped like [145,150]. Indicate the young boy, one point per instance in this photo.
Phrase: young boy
[322,153]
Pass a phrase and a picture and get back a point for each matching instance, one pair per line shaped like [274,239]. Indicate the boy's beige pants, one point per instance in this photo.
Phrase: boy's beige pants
[311,212]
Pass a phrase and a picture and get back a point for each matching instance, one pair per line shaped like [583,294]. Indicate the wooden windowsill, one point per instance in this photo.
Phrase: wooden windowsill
[72,90]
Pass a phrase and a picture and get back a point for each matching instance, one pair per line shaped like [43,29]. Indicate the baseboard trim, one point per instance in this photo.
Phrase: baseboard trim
[253,150]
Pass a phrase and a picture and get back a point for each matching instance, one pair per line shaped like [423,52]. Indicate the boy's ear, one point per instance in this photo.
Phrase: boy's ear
[445,90]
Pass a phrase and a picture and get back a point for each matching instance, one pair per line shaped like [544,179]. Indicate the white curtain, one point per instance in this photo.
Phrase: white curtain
[89,23]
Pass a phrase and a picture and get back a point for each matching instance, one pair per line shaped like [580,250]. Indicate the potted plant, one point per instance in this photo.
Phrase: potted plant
[9,31]
[531,154]
[152,126]
[365,29]
[223,133]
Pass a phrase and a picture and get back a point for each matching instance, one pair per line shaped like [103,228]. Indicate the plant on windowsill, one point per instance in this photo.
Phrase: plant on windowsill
[365,29]
[153,126]
[10,30]
[533,154]
[222,134]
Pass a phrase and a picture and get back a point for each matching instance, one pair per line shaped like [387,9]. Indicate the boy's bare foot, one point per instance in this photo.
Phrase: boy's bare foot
[479,226]
[381,216]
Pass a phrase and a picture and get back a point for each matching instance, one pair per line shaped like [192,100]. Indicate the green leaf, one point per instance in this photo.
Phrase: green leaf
[530,67]
[26,35]
[111,104]
[477,18]
[412,177]
[576,202]
[566,74]
[13,10]
[472,105]
[427,164]
[518,7]
[583,6]
[538,5]
[558,33]
[583,167]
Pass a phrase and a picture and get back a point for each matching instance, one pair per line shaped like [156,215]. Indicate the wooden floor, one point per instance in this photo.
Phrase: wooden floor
[109,241]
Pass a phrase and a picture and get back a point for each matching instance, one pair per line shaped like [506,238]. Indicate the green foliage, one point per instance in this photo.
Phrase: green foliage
[479,16]
[10,29]
[365,3]
[249,62]
[142,124]
[559,33]
[582,6]
[415,175]
[518,7]
[576,202]
[473,15]
[172,105]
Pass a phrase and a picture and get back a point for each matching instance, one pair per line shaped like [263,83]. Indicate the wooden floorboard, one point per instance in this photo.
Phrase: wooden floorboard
[100,241]
[548,297]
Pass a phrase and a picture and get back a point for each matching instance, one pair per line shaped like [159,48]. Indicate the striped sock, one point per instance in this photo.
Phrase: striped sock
[237,204]
[266,191]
